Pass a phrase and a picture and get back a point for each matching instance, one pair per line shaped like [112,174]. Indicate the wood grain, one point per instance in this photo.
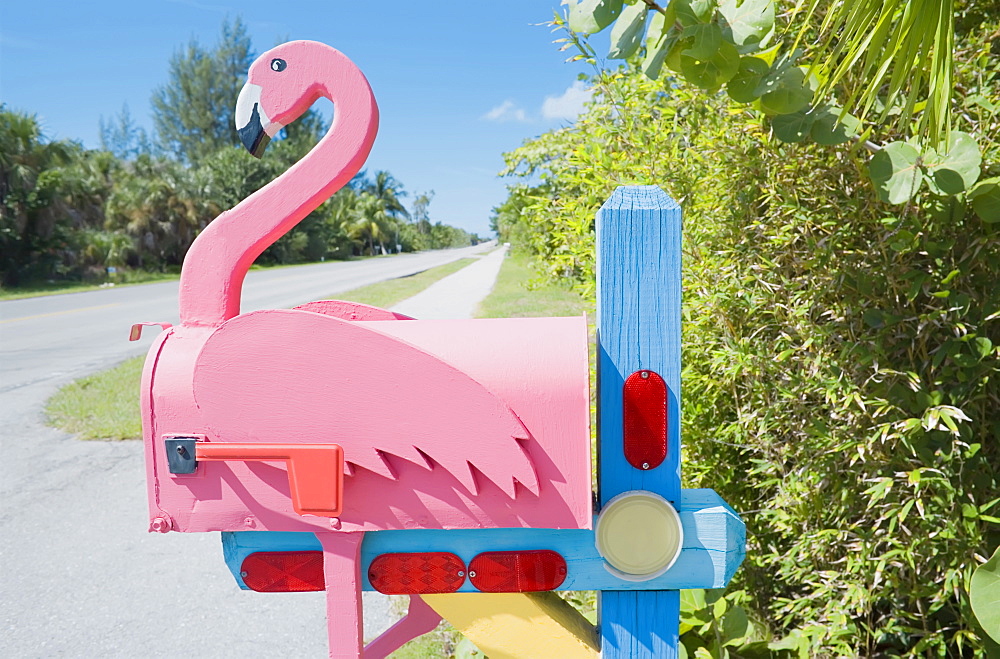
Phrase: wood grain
[638,328]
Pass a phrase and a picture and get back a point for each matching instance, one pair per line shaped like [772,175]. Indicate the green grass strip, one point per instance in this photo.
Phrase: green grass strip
[100,406]
[389,293]
[518,294]
[128,278]
[106,405]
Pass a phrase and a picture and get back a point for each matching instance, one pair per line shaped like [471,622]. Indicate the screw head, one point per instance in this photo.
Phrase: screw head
[472,573]
[644,375]
[335,523]
[243,574]
[645,465]
[461,573]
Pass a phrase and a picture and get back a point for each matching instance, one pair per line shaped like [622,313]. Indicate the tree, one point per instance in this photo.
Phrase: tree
[30,205]
[161,205]
[193,112]
[122,137]
[370,223]
[889,62]
[389,192]
[421,216]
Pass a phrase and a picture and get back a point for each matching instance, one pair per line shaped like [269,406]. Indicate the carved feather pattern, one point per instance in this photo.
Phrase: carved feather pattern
[293,375]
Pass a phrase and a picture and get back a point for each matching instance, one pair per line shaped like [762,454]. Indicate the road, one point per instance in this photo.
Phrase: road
[81,577]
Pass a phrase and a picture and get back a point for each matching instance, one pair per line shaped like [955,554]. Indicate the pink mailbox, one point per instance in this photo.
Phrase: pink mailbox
[336,418]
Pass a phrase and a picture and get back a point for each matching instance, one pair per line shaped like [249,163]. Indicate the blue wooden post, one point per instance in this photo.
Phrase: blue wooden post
[638,328]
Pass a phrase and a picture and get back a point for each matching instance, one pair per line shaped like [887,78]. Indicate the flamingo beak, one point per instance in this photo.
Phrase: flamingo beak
[252,124]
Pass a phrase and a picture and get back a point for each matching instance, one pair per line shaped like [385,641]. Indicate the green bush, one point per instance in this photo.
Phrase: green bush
[841,355]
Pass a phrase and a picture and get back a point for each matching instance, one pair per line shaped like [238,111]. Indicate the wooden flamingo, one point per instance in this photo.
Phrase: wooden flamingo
[426,443]
[312,371]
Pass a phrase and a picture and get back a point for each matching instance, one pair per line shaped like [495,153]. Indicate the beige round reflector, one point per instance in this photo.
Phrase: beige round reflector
[639,534]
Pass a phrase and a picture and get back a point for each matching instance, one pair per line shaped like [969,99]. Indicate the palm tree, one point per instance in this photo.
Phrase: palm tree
[160,205]
[388,191]
[29,182]
[370,222]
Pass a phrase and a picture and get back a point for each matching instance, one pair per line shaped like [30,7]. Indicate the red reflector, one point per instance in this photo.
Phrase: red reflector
[409,574]
[644,415]
[284,571]
[517,571]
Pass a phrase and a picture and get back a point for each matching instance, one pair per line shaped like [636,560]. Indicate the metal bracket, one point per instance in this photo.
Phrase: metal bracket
[136,332]
[181,455]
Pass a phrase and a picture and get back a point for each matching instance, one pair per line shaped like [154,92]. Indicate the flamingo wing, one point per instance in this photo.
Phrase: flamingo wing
[299,376]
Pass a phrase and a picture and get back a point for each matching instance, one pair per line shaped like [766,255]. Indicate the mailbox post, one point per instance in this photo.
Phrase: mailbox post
[639,350]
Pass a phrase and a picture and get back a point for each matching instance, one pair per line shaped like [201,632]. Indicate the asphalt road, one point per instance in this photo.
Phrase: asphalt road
[79,574]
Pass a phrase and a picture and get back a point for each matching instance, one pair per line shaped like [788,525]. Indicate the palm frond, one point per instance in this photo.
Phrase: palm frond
[890,56]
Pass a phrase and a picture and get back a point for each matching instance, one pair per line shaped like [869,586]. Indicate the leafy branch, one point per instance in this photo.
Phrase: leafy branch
[891,60]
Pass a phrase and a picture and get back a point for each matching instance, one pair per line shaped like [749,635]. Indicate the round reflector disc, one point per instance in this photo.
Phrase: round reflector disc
[639,534]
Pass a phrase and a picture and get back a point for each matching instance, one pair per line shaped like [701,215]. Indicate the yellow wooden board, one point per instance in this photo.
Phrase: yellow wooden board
[519,625]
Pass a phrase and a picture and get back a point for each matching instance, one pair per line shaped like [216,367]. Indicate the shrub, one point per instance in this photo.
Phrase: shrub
[841,355]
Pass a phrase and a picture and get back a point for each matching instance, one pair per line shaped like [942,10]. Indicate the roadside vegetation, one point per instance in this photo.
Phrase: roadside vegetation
[58,287]
[841,343]
[100,406]
[68,214]
[520,292]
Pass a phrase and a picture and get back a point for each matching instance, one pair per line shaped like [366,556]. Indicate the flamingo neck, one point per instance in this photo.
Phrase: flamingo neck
[219,258]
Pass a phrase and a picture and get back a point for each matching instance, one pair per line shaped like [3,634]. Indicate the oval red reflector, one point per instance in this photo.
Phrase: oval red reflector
[644,415]
[284,571]
[517,571]
[415,573]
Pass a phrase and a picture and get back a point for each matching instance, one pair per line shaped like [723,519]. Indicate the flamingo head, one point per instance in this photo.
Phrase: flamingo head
[282,84]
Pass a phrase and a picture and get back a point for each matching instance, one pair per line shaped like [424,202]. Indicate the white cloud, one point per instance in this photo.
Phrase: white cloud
[506,111]
[569,105]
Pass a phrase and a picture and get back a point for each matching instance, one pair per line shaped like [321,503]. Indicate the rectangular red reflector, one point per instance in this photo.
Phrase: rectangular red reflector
[416,573]
[284,571]
[517,571]
[644,418]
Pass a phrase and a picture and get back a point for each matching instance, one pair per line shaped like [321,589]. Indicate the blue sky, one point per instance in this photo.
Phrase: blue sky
[458,83]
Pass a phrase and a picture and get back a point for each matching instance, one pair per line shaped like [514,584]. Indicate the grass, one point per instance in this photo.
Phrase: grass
[438,643]
[123,278]
[385,294]
[105,405]
[519,294]
[100,406]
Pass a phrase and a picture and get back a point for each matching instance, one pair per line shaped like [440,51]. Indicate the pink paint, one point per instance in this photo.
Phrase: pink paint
[351,310]
[420,618]
[523,376]
[214,267]
[341,561]
[369,392]
[443,424]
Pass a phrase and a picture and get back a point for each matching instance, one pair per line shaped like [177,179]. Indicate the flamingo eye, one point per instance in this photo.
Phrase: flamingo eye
[278,65]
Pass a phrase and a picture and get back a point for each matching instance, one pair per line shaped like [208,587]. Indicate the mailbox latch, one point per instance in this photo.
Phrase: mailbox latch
[315,471]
